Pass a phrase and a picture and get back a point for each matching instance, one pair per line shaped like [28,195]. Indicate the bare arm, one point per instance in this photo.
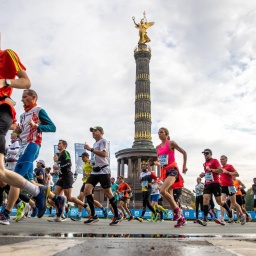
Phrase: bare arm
[22,82]
[174,145]
[96,152]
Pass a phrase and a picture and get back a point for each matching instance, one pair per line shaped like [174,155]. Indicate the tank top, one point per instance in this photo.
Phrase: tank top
[165,154]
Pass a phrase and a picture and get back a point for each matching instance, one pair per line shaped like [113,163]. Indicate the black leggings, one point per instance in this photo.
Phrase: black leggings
[5,124]
[199,202]
[146,203]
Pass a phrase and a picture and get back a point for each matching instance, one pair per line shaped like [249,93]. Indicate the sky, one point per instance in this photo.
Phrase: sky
[79,57]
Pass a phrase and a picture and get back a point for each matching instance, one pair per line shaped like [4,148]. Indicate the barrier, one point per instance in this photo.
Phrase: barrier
[188,214]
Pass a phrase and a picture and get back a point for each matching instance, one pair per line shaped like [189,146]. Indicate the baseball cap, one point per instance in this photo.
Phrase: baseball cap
[84,154]
[99,128]
[207,150]
[112,178]
[120,177]
[41,162]
[254,178]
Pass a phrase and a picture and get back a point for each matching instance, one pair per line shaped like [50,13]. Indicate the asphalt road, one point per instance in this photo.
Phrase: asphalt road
[39,237]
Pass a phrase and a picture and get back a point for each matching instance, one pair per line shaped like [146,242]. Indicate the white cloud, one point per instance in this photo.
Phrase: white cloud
[79,56]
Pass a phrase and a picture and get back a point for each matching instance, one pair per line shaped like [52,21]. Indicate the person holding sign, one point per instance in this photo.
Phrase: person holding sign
[170,174]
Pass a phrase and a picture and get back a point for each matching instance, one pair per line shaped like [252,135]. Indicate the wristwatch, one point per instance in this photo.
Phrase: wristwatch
[92,149]
[7,82]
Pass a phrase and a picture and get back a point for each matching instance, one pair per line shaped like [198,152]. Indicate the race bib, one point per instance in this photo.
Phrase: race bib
[231,189]
[254,196]
[121,194]
[163,160]
[144,183]
[208,177]
[21,150]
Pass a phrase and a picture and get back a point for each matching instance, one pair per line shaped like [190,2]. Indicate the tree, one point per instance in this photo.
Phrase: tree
[249,200]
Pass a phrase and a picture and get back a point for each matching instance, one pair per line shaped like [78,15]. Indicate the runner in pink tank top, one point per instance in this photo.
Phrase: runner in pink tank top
[166,152]
[170,172]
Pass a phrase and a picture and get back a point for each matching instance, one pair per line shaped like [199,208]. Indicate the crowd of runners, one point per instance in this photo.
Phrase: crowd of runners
[31,191]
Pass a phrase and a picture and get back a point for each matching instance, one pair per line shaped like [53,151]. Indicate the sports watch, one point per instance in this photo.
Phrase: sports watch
[7,82]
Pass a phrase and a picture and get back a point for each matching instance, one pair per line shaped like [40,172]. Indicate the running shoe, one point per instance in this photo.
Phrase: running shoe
[57,219]
[34,212]
[131,218]
[76,218]
[139,219]
[60,204]
[222,222]
[196,221]
[125,217]
[176,215]
[180,223]
[41,200]
[248,218]
[166,212]
[5,220]
[105,212]
[155,217]
[202,222]
[216,220]
[184,222]
[161,220]
[20,212]
[232,221]
[26,210]
[243,219]
[116,221]
[91,219]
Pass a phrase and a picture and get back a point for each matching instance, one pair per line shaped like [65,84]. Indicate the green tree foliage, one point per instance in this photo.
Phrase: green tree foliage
[249,200]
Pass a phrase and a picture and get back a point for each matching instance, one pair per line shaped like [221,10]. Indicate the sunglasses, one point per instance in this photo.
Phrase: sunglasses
[206,153]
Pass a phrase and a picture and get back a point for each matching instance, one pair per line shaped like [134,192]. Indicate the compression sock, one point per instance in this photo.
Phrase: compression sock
[90,201]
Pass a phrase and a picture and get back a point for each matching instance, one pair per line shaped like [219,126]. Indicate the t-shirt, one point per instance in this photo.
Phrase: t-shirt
[199,188]
[64,163]
[12,151]
[114,189]
[38,172]
[211,177]
[99,161]
[123,190]
[87,169]
[10,65]
[146,180]
[226,179]
[34,134]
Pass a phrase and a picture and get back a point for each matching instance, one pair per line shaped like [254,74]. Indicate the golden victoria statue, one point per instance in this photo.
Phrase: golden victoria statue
[143,26]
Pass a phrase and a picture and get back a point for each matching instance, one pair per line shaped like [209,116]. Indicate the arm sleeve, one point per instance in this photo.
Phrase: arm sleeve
[46,123]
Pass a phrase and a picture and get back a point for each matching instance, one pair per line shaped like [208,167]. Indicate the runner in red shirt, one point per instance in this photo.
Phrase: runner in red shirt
[228,189]
[212,169]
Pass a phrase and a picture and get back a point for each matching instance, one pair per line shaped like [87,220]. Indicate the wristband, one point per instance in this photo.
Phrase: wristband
[92,149]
